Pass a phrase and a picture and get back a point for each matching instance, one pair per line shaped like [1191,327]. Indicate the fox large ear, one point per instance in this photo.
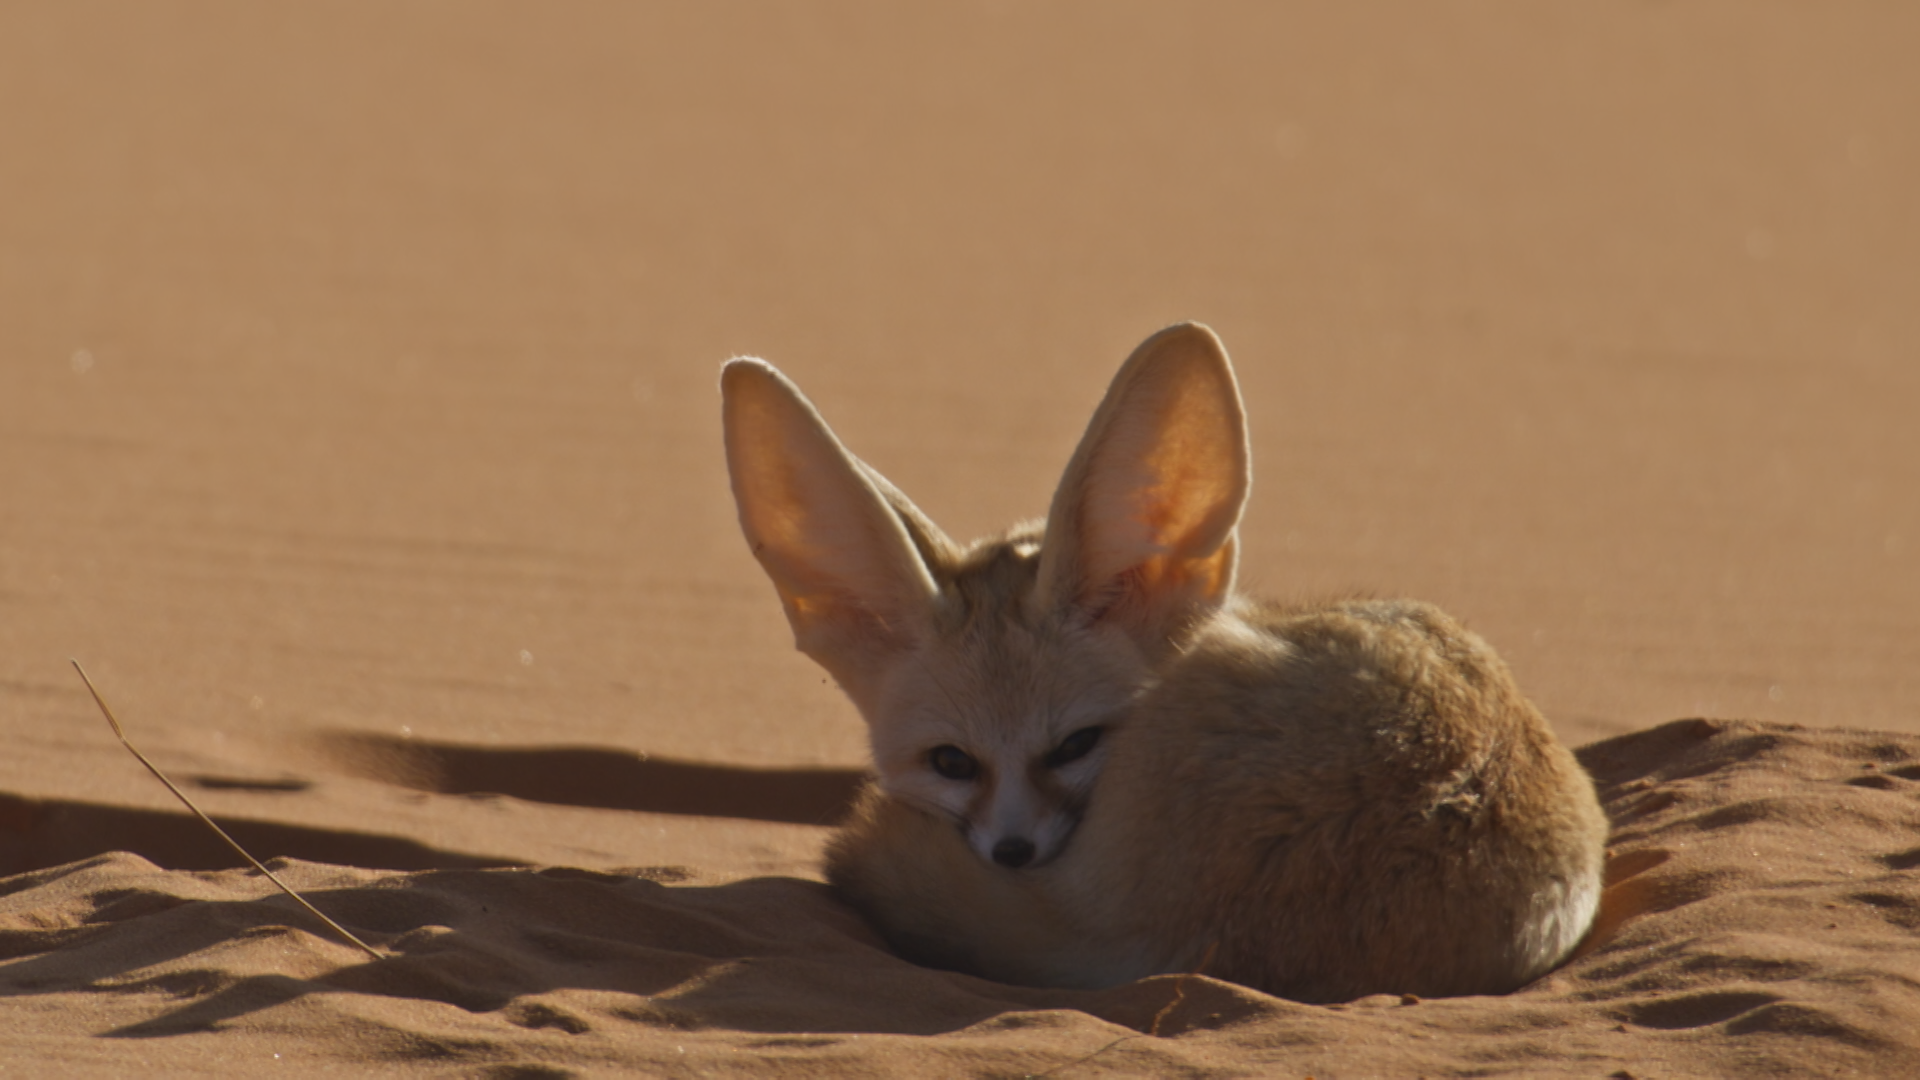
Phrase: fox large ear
[847,552]
[1141,531]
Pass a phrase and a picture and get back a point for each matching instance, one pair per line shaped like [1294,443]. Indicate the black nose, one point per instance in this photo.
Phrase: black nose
[1014,851]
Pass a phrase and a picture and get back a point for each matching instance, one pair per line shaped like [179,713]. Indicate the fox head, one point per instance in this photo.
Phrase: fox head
[993,676]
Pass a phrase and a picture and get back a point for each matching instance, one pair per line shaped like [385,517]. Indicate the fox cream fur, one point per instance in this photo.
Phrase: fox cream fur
[1096,761]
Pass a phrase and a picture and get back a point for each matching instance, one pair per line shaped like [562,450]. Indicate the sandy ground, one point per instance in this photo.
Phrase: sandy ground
[359,431]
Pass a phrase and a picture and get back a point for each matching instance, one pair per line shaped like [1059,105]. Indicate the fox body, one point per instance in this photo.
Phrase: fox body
[1096,762]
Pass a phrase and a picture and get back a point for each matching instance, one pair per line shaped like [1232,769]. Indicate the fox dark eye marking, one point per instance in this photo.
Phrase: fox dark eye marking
[1073,747]
[953,763]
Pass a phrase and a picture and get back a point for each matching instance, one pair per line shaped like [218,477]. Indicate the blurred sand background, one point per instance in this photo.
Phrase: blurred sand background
[358,371]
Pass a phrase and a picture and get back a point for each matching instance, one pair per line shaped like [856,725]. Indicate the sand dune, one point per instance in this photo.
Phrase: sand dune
[359,431]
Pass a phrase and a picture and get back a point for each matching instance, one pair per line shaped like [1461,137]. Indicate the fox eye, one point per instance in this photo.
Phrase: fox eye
[1073,747]
[953,763]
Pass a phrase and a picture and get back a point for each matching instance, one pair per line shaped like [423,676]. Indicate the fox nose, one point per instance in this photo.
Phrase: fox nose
[1014,851]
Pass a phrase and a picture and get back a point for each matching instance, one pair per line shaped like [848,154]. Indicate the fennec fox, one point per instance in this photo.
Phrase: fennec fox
[1096,762]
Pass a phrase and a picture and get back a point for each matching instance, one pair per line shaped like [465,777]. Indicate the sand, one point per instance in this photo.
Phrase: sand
[359,431]
[1760,920]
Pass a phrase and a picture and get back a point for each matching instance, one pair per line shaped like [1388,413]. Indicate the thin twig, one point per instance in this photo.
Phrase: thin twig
[218,831]
[1180,989]
[1153,1029]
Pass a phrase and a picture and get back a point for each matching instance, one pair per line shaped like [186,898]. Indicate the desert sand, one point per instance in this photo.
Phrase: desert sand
[359,431]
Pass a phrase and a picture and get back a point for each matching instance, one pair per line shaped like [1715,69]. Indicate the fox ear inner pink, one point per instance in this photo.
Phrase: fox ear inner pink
[849,577]
[1141,530]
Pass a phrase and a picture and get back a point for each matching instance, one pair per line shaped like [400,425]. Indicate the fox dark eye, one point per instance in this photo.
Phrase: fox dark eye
[1073,747]
[953,763]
